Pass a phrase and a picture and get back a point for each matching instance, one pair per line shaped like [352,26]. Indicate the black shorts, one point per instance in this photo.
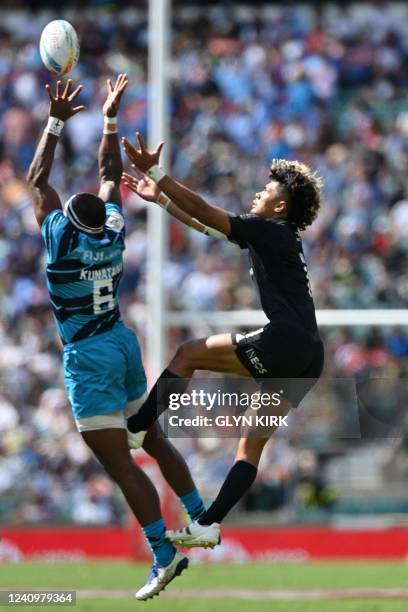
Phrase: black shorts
[284,354]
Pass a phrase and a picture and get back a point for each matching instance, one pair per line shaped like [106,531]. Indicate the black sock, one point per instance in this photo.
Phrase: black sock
[238,481]
[157,401]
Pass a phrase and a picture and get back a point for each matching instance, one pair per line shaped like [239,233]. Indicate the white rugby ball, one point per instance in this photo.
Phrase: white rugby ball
[59,46]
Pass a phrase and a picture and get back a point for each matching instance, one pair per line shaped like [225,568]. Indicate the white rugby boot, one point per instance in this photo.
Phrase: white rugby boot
[161,576]
[195,534]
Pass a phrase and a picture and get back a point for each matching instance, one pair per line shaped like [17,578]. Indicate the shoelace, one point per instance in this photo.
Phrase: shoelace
[153,573]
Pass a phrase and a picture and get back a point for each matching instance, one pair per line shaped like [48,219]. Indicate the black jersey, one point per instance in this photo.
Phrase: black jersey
[279,267]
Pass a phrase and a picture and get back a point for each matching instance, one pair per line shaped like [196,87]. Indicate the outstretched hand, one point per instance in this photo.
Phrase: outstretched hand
[111,105]
[143,186]
[62,103]
[141,158]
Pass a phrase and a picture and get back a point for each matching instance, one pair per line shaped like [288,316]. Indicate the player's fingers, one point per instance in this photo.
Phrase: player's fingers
[125,143]
[48,90]
[141,141]
[74,93]
[58,90]
[78,109]
[129,177]
[133,186]
[66,89]
[130,183]
[109,85]
[126,182]
[129,149]
[159,148]
[117,83]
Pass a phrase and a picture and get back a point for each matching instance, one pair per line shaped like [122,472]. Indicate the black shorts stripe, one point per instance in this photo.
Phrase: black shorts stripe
[98,325]
[76,302]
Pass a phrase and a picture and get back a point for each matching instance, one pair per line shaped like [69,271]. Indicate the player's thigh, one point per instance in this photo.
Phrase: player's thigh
[280,356]
[277,350]
[216,353]
[135,378]
[94,373]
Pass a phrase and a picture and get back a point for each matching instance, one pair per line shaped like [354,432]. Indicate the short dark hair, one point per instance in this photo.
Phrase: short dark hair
[302,187]
[90,209]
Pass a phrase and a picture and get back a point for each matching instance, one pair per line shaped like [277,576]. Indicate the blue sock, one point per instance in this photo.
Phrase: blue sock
[162,550]
[193,504]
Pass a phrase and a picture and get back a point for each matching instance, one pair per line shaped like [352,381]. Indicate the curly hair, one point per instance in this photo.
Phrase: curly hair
[302,187]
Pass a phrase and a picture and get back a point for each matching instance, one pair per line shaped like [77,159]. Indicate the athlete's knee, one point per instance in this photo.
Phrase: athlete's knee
[155,446]
[254,443]
[250,449]
[185,355]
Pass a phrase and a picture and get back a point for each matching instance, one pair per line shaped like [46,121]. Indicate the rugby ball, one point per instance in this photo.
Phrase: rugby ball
[59,47]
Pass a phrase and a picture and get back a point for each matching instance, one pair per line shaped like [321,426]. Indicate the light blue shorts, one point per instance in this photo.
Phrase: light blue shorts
[103,373]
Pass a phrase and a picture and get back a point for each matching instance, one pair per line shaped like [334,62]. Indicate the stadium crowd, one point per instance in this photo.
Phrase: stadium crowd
[324,85]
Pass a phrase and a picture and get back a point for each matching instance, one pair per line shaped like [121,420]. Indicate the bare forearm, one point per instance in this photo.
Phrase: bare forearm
[110,160]
[191,222]
[164,202]
[186,199]
[45,198]
[192,204]
[40,167]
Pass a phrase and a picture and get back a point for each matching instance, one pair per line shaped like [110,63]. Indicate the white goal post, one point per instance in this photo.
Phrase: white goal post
[257,318]
[226,320]
[158,129]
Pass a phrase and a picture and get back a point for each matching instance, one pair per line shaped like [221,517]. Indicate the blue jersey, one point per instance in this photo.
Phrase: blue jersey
[83,274]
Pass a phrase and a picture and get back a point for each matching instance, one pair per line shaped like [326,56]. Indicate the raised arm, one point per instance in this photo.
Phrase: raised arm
[149,191]
[186,199]
[109,157]
[46,199]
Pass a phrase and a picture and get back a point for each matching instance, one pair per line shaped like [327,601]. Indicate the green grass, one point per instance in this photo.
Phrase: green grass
[249,576]
[232,605]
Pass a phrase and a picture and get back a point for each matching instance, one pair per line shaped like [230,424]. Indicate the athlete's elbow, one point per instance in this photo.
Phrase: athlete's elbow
[111,175]
[36,177]
[110,168]
[112,178]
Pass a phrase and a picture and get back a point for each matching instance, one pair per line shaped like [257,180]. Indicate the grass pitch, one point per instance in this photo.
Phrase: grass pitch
[212,588]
